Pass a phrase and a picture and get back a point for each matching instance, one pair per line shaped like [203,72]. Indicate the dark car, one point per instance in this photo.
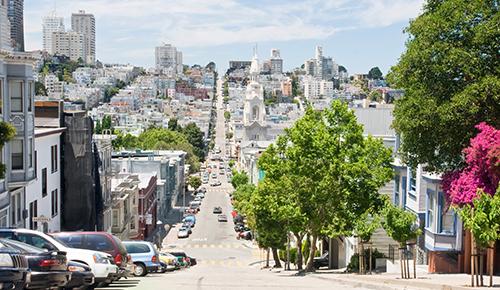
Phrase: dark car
[98,241]
[49,269]
[14,271]
[182,258]
[217,210]
[81,275]
[321,261]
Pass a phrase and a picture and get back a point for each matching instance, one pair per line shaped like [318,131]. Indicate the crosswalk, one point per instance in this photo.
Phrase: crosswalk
[222,263]
[219,189]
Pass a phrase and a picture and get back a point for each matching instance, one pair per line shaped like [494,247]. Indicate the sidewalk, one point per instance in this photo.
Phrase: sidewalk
[425,281]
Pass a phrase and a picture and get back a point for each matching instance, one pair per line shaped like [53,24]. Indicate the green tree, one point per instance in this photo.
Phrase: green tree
[375,96]
[126,141]
[107,123]
[333,171]
[173,125]
[98,127]
[229,135]
[164,139]
[239,178]
[194,182]
[401,226]
[375,73]
[451,77]
[196,138]
[231,163]
[40,89]
[227,115]
[7,133]
[482,218]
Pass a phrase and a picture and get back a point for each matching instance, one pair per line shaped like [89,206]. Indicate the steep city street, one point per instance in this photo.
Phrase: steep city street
[223,262]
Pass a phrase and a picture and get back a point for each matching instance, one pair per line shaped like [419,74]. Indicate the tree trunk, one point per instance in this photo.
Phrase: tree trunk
[401,262]
[491,257]
[370,262]
[481,266]
[299,251]
[277,262]
[310,262]
[267,258]
[415,261]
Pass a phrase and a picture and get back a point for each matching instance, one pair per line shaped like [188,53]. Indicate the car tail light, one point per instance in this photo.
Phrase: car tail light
[118,260]
[154,259]
[50,263]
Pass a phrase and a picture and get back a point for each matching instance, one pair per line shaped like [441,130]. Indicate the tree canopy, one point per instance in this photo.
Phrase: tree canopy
[375,73]
[331,172]
[450,72]
[196,138]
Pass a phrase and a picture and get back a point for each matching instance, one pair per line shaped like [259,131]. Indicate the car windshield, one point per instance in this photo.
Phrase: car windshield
[135,248]
[22,247]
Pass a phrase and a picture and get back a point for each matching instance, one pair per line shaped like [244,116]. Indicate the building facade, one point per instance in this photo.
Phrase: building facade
[71,44]
[50,24]
[84,23]
[168,59]
[15,13]
[43,196]
[17,91]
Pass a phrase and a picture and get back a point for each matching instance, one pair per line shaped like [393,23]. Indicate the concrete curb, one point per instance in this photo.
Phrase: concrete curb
[378,282]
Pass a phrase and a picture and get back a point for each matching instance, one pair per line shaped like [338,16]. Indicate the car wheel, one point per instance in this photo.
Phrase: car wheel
[140,270]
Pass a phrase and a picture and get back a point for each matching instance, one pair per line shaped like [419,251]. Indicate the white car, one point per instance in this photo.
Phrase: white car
[100,262]
[182,233]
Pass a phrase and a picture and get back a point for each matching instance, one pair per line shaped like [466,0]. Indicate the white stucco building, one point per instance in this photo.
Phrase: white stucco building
[43,195]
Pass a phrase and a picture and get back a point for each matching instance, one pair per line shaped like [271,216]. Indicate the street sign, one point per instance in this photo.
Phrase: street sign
[41,219]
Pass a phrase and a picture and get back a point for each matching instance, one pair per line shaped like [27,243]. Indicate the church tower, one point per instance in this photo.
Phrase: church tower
[254,114]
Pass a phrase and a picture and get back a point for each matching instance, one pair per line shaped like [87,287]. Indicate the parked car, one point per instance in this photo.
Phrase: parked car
[14,271]
[246,235]
[202,190]
[222,218]
[182,233]
[217,210]
[81,276]
[169,261]
[216,183]
[182,258]
[321,261]
[101,263]
[145,257]
[98,241]
[189,218]
[48,269]
[186,226]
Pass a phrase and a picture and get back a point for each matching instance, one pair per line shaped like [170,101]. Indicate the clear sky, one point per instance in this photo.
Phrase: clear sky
[358,34]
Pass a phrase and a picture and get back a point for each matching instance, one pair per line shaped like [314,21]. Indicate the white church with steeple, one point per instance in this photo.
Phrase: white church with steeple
[254,110]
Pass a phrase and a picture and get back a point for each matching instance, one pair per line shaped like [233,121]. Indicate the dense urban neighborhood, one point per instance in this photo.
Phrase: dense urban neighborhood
[248,174]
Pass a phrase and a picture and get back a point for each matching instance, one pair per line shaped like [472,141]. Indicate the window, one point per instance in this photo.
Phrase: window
[36,241]
[137,248]
[33,213]
[44,182]
[72,240]
[431,208]
[132,224]
[53,158]
[115,218]
[16,96]
[15,208]
[446,218]
[30,153]
[396,190]
[99,243]
[403,189]
[54,202]
[31,92]
[3,219]
[17,153]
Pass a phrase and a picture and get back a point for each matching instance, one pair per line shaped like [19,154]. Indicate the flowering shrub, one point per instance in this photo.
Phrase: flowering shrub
[482,171]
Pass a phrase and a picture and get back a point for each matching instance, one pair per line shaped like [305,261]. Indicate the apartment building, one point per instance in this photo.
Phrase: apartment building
[71,44]
[84,23]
